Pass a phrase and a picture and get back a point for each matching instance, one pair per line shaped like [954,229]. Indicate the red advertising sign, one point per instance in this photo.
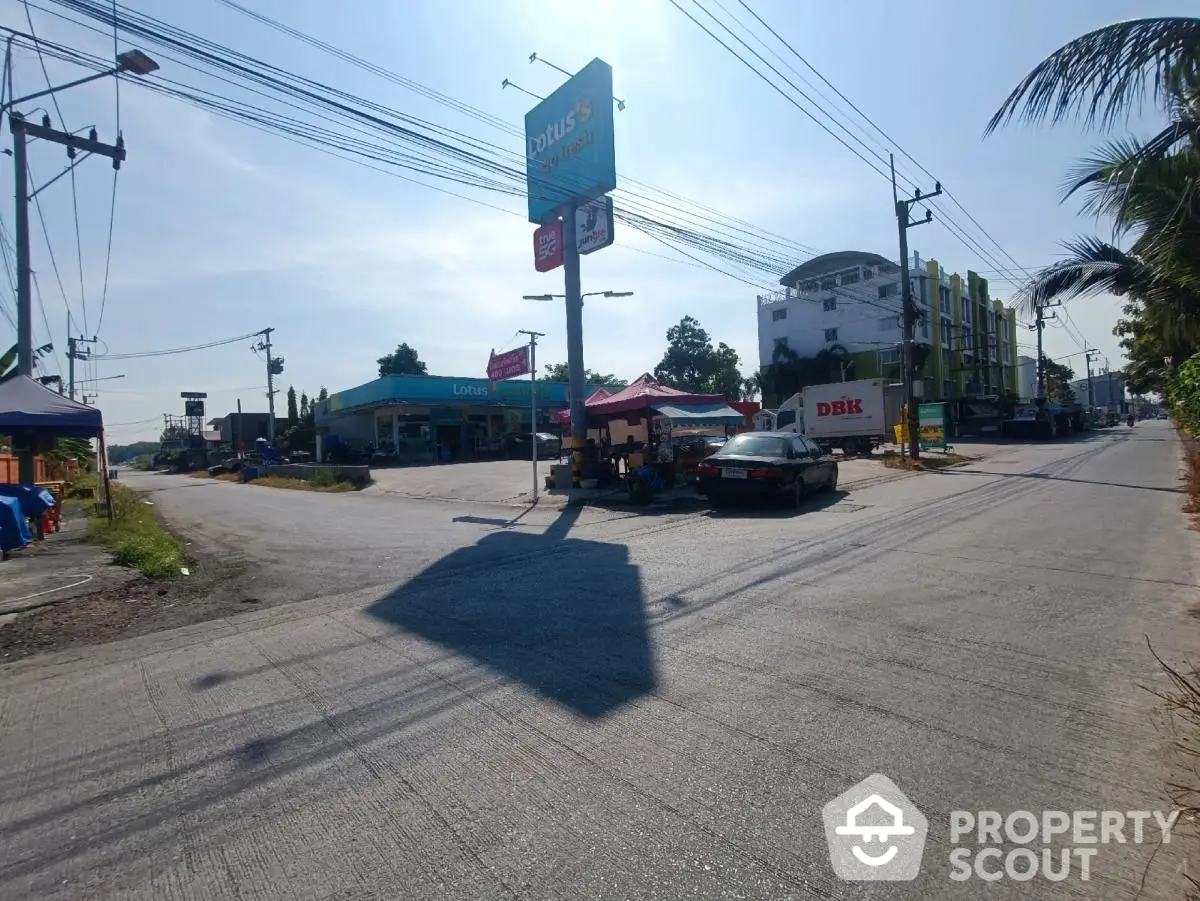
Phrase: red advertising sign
[847,407]
[508,365]
[548,246]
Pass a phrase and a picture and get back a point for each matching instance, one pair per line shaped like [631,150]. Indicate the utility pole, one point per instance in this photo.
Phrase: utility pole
[73,354]
[533,432]
[22,131]
[240,444]
[1111,392]
[904,222]
[1091,387]
[274,368]
[1039,318]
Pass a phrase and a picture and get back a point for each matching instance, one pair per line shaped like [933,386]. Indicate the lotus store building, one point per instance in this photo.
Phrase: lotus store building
[426,418]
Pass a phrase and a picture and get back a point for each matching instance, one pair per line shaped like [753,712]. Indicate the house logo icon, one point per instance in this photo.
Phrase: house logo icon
[875,833]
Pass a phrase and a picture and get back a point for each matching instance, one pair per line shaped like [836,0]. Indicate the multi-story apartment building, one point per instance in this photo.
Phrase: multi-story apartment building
[848,303]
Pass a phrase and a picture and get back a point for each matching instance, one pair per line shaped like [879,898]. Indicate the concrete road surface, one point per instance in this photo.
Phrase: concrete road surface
[579,705]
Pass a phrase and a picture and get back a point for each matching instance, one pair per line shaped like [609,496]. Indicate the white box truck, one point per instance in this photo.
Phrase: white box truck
[854,416]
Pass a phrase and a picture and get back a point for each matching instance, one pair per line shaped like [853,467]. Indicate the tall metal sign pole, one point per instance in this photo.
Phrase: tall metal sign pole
[533,430]
[570,158]
[576,373]
[909,309]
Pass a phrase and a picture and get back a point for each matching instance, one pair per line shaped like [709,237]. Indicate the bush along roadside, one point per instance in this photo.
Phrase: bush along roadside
[135,537]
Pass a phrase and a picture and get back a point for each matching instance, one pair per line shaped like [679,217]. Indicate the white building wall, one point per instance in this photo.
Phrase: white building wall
[857,308]
[1026,378]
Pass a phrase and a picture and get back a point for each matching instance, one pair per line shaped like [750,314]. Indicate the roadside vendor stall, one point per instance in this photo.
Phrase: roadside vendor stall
[34,416]
[648,407]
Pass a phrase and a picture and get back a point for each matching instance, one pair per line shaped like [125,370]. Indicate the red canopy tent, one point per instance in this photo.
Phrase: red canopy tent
[598,395]
[644,392]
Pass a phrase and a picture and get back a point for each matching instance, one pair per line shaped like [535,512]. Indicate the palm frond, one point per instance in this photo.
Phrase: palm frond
[1092,267]
[1102,74]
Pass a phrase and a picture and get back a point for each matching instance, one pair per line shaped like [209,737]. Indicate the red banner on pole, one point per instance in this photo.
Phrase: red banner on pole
[548,246]
[508,365]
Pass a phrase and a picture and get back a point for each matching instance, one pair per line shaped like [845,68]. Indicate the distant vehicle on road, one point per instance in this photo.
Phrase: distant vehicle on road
[765,466]
[516,447]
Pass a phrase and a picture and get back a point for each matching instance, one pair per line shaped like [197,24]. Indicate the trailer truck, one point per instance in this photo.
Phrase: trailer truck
[854,416]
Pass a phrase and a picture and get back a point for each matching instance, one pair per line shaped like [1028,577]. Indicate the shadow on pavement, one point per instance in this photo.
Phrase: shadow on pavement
[776,509]
[561,616]
[1049,478]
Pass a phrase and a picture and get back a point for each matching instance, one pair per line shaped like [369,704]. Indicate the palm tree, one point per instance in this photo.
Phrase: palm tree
[1101,75]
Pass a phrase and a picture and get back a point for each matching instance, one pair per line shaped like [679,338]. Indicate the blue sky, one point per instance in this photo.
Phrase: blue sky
[221,230]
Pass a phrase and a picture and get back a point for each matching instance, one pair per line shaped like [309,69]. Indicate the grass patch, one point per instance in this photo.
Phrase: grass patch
[135,537]
[925,464]
[322,481]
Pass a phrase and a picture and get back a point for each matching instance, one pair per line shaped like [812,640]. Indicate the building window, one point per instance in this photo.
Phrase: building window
[945,295]
[948,388]
[850,278]
[868,273]
[889,357]
[887,323]
[924,326]
[781,344]
[947,333]
[828,284]
[889,290]
[830,304]
[807,287]
[778,314]
[830,334]
[923,290]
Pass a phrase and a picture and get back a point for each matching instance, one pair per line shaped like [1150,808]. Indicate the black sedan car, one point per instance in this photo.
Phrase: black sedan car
[766,465]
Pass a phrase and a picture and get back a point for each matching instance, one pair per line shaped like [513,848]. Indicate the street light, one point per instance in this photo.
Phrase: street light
[133,61]
[548,297]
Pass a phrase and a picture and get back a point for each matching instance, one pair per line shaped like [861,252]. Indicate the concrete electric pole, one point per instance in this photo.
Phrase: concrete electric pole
[131,61]
[1089,355]
[910,314]
[274,368]
[73,354]
[533,430]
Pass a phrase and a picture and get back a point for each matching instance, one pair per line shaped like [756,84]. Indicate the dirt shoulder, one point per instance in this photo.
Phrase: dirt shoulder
[87,600]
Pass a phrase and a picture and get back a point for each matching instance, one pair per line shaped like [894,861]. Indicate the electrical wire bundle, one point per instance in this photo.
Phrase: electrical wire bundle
[332,121]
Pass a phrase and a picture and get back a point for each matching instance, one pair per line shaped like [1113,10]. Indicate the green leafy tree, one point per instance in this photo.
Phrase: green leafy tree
[8,361]
[689,361]
[558,372]
[123,453]
[1058,381]
[293,411]
[1147,188]
[402,361]
[726,378]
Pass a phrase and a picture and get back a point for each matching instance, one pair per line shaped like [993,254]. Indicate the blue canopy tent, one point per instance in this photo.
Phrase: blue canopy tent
[33,415]
[29,409]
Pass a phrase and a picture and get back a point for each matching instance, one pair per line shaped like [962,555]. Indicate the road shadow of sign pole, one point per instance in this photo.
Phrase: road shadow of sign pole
[563,617]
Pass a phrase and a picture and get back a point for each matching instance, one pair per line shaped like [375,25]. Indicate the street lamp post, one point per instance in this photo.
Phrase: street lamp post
[550,297]
[133,61]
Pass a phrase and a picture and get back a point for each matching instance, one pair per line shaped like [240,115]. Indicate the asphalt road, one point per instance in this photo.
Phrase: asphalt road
[578,706]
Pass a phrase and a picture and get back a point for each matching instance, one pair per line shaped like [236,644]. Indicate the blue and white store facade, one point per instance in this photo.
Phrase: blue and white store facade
[429,417]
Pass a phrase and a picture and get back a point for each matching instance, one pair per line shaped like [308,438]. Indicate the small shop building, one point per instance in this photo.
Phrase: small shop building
[429,418]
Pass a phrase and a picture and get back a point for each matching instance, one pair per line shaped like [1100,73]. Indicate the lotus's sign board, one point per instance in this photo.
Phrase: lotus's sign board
[569,145]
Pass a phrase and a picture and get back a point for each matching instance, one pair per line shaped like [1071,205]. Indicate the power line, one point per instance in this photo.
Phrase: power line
[174,350]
